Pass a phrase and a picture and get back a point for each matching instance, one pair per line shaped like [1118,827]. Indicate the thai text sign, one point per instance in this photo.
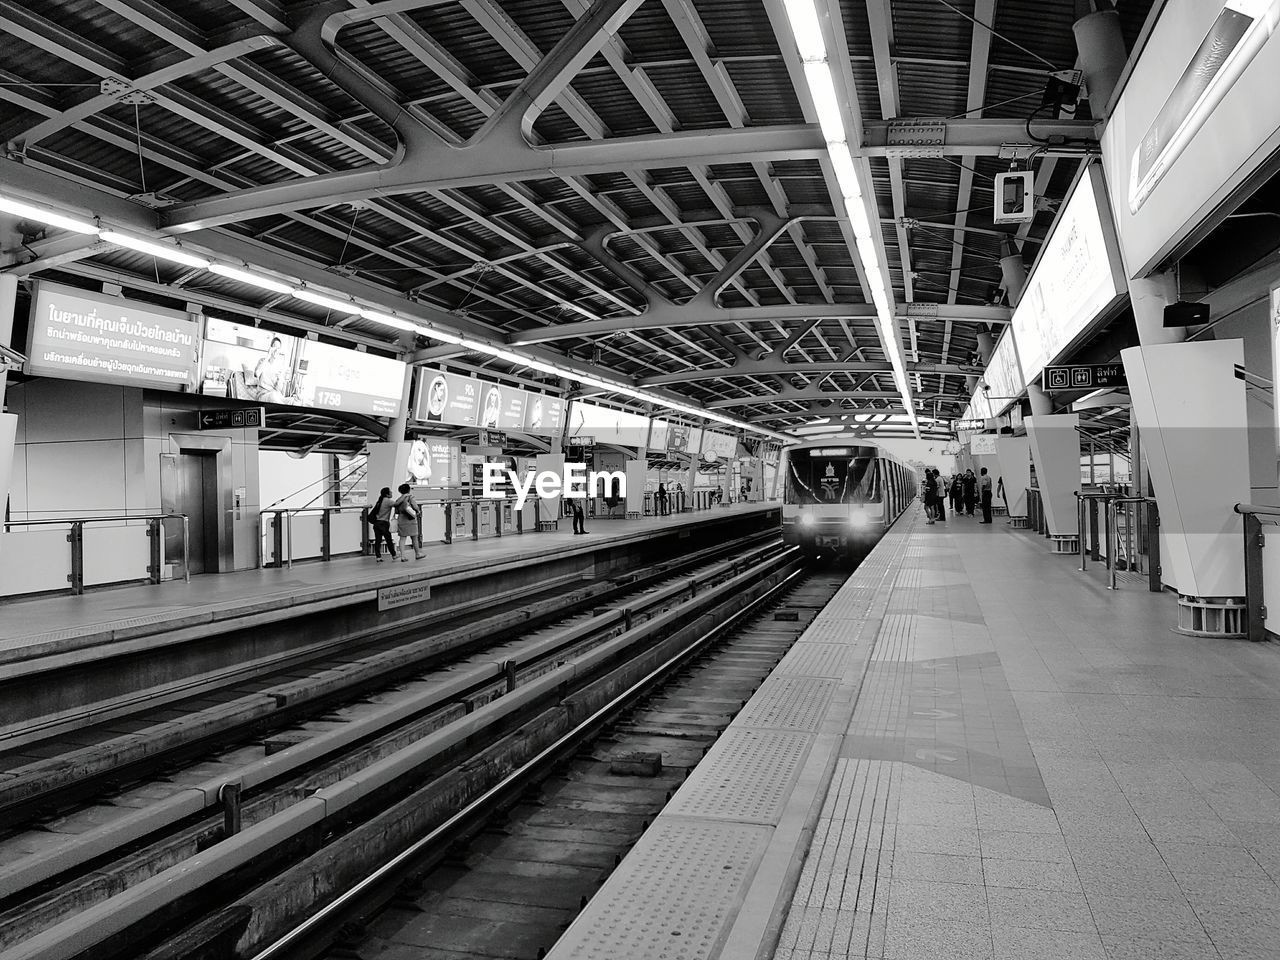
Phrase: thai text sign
[81,335]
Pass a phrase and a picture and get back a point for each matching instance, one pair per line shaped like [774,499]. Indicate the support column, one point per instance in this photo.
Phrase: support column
[397,428]
[986,347]
[1013,271]
[1055,449]
[1150,295]
[695,456]
[8,421]
[1041,402]
[1100,44]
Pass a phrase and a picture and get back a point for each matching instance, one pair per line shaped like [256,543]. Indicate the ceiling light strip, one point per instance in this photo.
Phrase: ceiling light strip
[253,276]
[806,28]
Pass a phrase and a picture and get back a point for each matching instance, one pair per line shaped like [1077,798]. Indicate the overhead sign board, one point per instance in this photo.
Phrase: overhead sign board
[231,419]
[81,335]
[677,438]
[1198,116]
[1074,281]
[249,363]
[1084,376]
[982,445]
[492,438]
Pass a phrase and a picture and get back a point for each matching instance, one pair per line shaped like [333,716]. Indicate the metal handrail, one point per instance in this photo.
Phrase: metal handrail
[282,532]
[1255,515]
[75,536]
[1113,542]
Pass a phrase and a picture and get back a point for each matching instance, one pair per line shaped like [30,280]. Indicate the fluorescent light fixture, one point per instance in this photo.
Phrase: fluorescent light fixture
[52,218]
[807,29]
[875,279]
[859,221]
[328,302]
[154,248]
[390,320]
[825,102]
[252,279]
[846,172]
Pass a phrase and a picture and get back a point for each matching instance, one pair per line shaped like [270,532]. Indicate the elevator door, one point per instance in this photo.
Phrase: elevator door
[197,497]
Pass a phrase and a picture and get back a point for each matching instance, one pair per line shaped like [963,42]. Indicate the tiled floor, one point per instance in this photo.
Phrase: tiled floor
[1040,768]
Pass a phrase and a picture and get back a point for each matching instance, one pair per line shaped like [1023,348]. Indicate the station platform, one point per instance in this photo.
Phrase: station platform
[31,624]
[974,751]
[64,658]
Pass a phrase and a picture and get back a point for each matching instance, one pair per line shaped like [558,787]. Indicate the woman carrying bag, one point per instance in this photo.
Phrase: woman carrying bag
[407,512]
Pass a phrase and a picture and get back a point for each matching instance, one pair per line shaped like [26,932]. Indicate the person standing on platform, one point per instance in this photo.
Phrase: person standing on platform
[955,490]
[380,517]
[940,498]
[679,497]
[970,484]
[930,494]
[579,515]
[407,513]
[662,500]
[986,497]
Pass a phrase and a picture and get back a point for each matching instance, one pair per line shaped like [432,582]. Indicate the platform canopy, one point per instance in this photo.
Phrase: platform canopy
[639,189]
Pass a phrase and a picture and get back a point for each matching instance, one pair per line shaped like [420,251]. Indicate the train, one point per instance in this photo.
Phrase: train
[841,497]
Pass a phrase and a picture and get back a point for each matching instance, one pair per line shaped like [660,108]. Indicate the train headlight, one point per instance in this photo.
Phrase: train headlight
[857,519]
[806,519]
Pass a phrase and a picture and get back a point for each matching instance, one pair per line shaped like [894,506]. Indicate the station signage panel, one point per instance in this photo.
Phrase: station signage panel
[1084,376]
[249,363]
[80,335]
[231,419]
[1075,280]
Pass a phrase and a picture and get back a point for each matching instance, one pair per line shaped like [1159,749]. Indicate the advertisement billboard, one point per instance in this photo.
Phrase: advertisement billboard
[608,425]
[544,414]
[677,438]
[80,335]
[1076,279]
[719,446]
[1003,376]
[447,398]
[435,462]
[1199,115]
[249,363]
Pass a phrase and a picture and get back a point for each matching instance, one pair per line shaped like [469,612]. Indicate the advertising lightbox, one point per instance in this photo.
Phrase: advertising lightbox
[1075,280]
[658,434]
[80,335]
[608,425]
[543,414]
[1003,376]
[447,398]
[249,363]
[719,446]
[1198,116]
[435,462]
[677,438]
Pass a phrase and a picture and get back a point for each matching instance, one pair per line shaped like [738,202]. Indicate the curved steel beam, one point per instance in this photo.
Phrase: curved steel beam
[772,367]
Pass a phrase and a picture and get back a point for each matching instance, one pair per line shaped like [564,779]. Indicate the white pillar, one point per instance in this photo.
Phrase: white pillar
[1150,295]
[1055,449]
[986,346]
[8,421]
[1041,402]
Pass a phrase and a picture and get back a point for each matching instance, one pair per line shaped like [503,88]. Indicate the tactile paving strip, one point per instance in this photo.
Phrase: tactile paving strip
[787,703]
[673,896]
[747,777]
[807,659]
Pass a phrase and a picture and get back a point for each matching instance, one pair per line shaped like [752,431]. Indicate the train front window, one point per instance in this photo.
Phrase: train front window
[830,477]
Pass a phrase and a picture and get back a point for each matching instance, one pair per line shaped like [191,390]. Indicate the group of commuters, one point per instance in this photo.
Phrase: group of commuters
[405,511]
[964,490]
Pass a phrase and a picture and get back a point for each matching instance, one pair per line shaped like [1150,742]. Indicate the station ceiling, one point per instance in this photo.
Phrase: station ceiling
[639,186]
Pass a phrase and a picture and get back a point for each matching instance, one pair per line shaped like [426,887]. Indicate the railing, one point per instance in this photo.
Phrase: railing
[1254,587]
[1129,540]
[155,529]
[1035,512]
[316,539]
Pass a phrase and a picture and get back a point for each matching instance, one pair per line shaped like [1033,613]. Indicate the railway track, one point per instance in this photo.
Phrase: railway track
[374,752]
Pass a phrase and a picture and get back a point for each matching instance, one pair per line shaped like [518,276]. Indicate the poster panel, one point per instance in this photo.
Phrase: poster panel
[447,398]
[80,335]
